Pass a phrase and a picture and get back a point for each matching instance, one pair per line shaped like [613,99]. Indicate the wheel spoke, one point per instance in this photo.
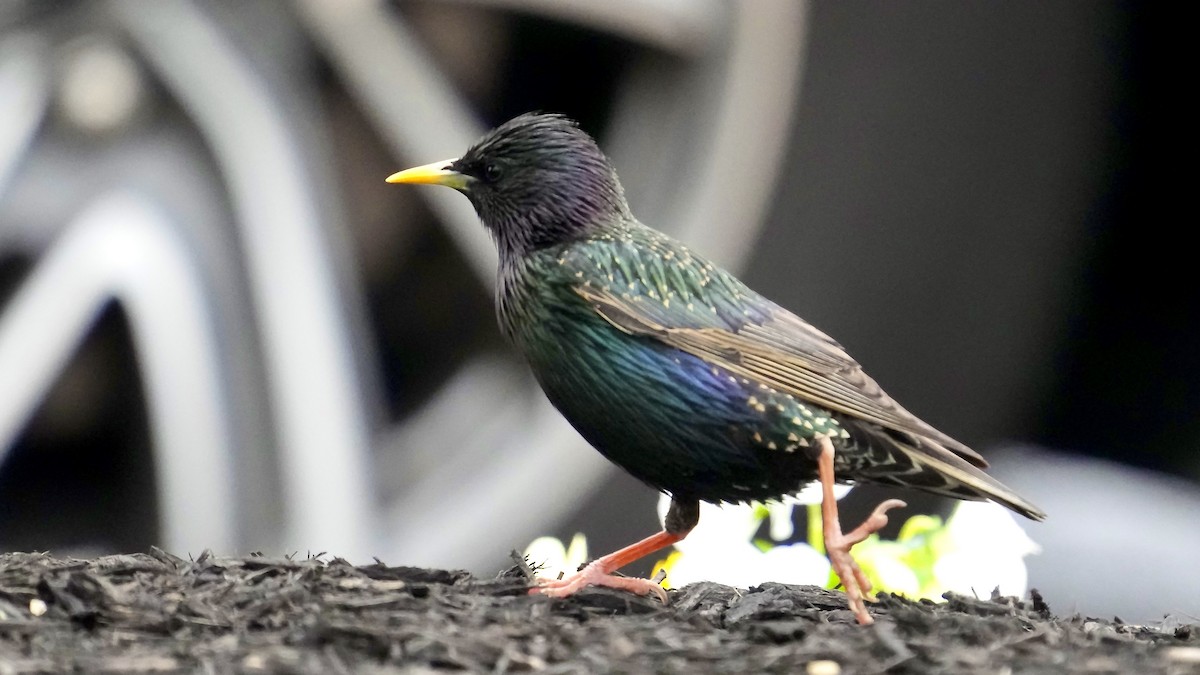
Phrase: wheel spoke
[682,28]
[410,101]
[24,92]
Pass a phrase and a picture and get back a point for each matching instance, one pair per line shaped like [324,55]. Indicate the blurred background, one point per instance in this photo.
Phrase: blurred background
[219,327]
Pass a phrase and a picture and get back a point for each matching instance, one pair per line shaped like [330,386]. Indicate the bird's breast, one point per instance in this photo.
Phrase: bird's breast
[526,299]
[667,417]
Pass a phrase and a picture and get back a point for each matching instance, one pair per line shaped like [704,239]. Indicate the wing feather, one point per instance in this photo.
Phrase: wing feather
[781,351]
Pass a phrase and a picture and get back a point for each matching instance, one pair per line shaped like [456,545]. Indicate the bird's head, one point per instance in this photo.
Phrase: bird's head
[537,180]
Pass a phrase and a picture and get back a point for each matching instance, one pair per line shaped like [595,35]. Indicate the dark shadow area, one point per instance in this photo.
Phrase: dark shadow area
[81,476]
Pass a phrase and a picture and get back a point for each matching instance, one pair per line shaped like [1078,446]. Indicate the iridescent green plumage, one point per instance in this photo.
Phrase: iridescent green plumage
[672,367]
[628,324]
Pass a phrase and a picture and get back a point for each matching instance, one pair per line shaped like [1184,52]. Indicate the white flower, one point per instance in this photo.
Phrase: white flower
[553,559]
[743,565]
[811,494]
[721,549]
[782,527]
[795,564]
[719,525]
[983,547]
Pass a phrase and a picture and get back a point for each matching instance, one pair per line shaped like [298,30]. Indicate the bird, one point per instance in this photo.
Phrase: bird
[673,368]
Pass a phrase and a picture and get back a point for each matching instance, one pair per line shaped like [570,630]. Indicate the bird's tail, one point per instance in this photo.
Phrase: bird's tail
[965,481]
[925,464]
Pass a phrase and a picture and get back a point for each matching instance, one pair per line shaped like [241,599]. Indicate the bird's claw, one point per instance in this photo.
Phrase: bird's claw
[854,580]
[595,575]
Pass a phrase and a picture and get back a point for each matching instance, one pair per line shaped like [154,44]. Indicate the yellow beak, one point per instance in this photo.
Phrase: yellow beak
[437,173]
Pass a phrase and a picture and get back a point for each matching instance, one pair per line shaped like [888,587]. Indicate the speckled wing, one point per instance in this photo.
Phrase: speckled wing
[777,348]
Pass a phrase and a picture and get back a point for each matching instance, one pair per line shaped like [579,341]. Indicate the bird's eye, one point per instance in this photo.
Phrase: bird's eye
[492,172]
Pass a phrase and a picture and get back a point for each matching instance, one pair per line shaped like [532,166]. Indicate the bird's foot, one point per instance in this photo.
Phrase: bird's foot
[596,574]
[838,545]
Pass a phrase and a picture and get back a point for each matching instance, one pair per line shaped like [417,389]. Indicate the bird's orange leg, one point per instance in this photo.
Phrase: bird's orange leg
[837,545]
[681,518]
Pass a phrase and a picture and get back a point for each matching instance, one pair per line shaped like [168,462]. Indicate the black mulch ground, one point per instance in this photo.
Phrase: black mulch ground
[149,613]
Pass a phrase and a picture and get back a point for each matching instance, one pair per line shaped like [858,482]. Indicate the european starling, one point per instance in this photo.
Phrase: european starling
[674,369]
